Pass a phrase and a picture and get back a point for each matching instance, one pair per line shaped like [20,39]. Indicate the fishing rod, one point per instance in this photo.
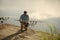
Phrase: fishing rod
[33,22]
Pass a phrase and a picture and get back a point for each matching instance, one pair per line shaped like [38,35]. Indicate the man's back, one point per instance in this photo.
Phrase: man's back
[24,17]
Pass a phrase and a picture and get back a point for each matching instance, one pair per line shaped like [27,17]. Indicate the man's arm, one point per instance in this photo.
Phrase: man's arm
[28,17]
[20,18]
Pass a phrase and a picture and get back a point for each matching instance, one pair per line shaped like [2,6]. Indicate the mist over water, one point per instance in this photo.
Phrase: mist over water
[44,11]
[42,21]
[41,24]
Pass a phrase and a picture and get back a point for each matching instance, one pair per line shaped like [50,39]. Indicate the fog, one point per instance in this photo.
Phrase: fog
[37,9]
[40,9]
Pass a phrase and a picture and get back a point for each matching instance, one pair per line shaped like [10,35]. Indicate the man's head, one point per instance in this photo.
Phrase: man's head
[25,12]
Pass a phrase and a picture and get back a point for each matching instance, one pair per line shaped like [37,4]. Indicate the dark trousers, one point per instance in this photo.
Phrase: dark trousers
[24,25]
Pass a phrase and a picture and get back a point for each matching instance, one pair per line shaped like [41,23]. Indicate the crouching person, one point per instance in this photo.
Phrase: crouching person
[24,19]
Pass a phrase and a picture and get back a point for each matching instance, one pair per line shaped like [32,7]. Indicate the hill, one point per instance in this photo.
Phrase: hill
[12,32]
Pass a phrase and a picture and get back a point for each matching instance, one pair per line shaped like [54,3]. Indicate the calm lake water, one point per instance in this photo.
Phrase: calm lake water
[41,24]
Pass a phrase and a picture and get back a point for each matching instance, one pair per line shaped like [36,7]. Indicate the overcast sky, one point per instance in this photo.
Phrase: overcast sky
[40,9]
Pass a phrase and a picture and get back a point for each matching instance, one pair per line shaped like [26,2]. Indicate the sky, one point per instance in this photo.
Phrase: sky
[39,9]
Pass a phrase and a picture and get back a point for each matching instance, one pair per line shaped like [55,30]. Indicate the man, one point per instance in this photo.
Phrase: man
[24,21]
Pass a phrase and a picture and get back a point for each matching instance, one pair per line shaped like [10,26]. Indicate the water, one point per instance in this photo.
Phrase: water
[41,24]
